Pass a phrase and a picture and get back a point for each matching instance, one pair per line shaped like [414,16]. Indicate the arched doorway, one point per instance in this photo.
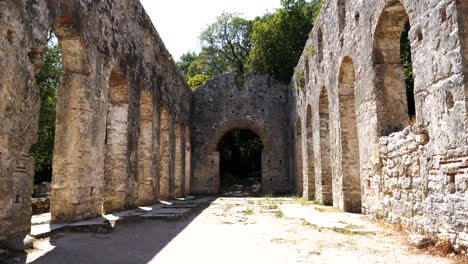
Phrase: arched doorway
[240,163]
[393,65]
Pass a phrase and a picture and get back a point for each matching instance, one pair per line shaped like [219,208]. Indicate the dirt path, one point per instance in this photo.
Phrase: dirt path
[228,231]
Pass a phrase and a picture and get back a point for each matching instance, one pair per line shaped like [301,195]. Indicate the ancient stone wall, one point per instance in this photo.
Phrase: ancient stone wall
[366,152]
[118,80]
[261,105]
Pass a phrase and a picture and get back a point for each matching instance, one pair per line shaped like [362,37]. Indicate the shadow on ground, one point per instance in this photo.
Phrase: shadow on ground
[133,240]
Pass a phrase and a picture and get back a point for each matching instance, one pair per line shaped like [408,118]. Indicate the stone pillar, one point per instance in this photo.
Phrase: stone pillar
[77,165]
[178,173]
[309,175]
[188,165]
[19,113]
[164,151]
[324,188]
[299,159]
[147,194]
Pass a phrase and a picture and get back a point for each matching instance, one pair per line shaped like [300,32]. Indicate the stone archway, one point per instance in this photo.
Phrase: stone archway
[395,100]
[214,155]
[240,163]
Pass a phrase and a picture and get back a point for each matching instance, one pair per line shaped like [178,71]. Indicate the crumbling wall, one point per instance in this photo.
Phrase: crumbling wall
[261,105]
[430,194]
[112,55]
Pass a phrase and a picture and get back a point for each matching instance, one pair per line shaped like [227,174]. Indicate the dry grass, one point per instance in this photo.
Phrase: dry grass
[435,247]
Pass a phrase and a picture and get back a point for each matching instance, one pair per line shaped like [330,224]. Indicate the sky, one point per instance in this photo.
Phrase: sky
[179,22]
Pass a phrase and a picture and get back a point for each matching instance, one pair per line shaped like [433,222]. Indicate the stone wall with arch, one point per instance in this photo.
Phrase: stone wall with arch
[118,75]
[409,172]
[259,104]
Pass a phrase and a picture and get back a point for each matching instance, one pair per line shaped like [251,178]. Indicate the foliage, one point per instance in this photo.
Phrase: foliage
[198,80]
[271,44]
[300,80]
[48,81]
[311,52]
[229,37]
[405,53]
[279,38]
[185,61]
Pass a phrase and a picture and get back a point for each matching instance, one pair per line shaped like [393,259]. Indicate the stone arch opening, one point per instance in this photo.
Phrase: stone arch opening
[147,182]
[320,45]
[116,142]
[240,163]
[299,158]
[392,62]
[48,80]
[351,179]
[326,191]
[309,181]
[73,174]
[165,188]
[268,171]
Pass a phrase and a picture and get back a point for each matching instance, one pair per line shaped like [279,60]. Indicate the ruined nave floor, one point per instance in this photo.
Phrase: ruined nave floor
[235,230]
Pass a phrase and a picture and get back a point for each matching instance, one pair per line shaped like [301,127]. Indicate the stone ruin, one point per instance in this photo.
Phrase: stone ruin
[129,129]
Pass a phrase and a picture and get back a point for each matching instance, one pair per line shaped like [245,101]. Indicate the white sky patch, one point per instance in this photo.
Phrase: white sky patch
[179,22]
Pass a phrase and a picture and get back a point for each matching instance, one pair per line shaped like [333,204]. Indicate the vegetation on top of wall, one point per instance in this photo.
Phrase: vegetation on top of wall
[198,80]
[48,81]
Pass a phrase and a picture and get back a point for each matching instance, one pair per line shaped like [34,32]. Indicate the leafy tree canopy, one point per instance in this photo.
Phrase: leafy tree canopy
[229,38]
[279,38]
[271,44]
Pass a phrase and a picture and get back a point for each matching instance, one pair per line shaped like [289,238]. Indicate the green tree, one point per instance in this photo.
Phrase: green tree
[185,61]
[228,39]
[48,81]
[209,62]
[279,38]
